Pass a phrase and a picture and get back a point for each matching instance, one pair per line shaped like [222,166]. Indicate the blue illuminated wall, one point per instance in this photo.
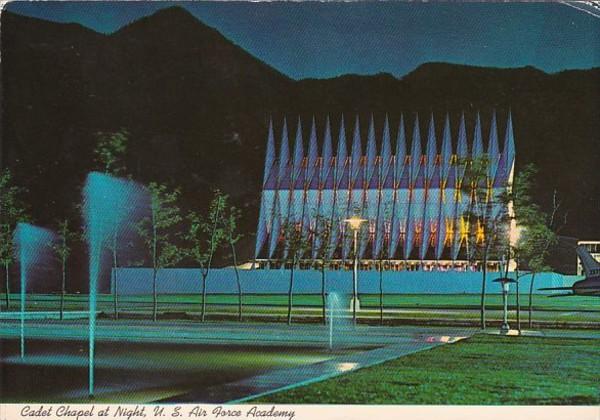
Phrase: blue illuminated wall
[182,280]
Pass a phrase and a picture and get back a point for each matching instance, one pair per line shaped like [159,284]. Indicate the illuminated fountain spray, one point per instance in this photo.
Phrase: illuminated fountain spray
[335,316]
[34,252]
[109,205]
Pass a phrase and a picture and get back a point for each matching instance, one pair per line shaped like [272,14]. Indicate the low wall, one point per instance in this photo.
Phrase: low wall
[178,280]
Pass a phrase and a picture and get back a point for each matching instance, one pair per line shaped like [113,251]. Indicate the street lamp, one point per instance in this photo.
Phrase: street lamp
[519,275]
[355,223]
[505,282]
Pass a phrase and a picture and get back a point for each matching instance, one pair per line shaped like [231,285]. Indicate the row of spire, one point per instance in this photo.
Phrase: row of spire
[379,185]
[288,169]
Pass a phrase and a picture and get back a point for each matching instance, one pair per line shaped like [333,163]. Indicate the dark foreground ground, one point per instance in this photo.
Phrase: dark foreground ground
[57,371]
[141,361]
[483,369]
[144,361]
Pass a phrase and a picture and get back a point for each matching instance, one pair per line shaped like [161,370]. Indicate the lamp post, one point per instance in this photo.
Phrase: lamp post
[505,282]
[355,223]
[519,275]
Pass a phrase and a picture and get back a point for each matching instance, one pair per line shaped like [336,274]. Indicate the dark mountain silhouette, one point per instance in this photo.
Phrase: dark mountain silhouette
[197,107]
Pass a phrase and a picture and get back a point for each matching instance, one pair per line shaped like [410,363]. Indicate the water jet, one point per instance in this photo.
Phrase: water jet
[33,249]
[110,205]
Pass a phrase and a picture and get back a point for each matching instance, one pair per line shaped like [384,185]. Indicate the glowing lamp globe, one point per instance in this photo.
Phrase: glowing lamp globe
[355,222]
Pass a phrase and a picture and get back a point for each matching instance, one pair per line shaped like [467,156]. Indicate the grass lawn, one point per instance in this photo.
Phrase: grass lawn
[420,308]
[481,370]
[458,301]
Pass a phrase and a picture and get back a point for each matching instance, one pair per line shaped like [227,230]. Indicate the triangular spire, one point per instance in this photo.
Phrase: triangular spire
[461,149]
[493,151]
[371,150]
[509,144]
[415,153]
[327,151]
[298,152]
[284,151]
[477,139]
[342,152]
[356,151]
[386,149]
[446,153]
[260,231]
[270,153]
[313,153]
[431,148]
[400,150]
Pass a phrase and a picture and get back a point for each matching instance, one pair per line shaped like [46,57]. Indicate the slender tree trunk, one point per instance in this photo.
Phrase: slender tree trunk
[203,310]
[154,265]
[237,279]
[518,304]
[154,295]
[208,265]
[290,295]
[6,269]
[115,278]
[530,309]
[63,288]
[483,279]
[116,296]
[380,293]
[323,298]
[355,279]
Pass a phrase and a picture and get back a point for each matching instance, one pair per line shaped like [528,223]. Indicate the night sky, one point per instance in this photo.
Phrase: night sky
[317,40]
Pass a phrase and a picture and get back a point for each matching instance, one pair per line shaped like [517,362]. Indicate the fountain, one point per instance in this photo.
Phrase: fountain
[109,204]
[336,321]
[33,248]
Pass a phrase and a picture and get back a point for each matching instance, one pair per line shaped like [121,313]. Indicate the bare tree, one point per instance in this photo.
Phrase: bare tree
[62,250]
[156,232]
[487,219]
[231,218]
[534,245]
[205,236]
[109,155]
[295,246]
[12,211]
[321,236]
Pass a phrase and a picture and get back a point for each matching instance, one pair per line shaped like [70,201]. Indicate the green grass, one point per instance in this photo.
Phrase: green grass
[481,370]
[462,301]
[408,308]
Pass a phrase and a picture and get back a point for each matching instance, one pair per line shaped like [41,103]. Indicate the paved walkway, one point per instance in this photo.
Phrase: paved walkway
[283,379]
